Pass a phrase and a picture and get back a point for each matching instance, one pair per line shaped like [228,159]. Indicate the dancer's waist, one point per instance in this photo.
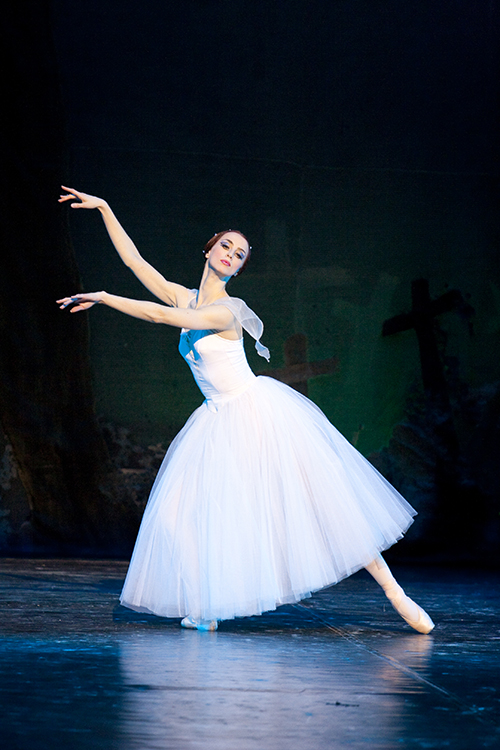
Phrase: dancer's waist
[215,400]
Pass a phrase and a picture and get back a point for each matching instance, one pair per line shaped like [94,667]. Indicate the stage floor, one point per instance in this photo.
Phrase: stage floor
[339,670]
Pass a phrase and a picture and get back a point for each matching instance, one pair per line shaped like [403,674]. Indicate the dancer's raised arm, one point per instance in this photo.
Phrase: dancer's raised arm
[169,292]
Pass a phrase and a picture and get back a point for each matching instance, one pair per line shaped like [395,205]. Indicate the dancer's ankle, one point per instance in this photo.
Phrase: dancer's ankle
[393,591]
[402,603]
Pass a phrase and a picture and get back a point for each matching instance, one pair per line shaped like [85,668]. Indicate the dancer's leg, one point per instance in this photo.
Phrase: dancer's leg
[406,607]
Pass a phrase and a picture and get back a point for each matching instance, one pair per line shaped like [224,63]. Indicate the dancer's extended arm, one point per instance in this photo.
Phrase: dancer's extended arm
[169,292]
[212,317]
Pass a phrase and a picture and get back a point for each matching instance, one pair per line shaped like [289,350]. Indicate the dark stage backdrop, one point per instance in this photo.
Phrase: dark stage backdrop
[355,143]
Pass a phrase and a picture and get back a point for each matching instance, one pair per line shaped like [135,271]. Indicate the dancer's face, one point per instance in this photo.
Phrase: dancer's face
[228,255]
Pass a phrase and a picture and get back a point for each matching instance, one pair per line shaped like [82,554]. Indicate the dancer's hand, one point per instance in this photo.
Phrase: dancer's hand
[81,301]
[83,200]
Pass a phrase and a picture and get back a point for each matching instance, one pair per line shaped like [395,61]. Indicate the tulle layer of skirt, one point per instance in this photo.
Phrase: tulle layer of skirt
[257,505]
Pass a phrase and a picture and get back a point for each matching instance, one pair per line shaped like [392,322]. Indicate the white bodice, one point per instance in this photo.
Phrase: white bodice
[219,365]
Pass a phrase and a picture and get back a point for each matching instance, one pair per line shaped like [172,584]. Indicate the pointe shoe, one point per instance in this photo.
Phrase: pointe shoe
[192,624]
[188,622]
[423,624]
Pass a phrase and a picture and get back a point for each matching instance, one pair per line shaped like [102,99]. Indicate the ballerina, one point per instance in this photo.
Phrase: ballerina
[259,500]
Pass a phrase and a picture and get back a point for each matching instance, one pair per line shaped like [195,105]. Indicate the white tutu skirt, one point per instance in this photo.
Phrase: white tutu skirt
[255,505]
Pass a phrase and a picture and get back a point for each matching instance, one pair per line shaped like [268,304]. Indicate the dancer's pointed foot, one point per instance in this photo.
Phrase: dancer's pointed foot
[192,624]
[410,611]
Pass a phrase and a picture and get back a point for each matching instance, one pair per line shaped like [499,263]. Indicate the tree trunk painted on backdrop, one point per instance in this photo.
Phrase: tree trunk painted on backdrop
[46,403]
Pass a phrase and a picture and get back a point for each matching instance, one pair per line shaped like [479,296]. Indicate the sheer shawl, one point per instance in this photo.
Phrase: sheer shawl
[246,317]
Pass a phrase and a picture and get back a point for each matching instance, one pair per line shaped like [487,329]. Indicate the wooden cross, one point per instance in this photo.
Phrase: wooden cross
[297,369]
[421,318]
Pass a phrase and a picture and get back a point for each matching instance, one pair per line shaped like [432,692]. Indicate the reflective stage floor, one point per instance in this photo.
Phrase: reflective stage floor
[339,670]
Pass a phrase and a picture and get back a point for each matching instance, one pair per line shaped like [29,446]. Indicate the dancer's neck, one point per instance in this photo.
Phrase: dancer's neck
[212,288]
